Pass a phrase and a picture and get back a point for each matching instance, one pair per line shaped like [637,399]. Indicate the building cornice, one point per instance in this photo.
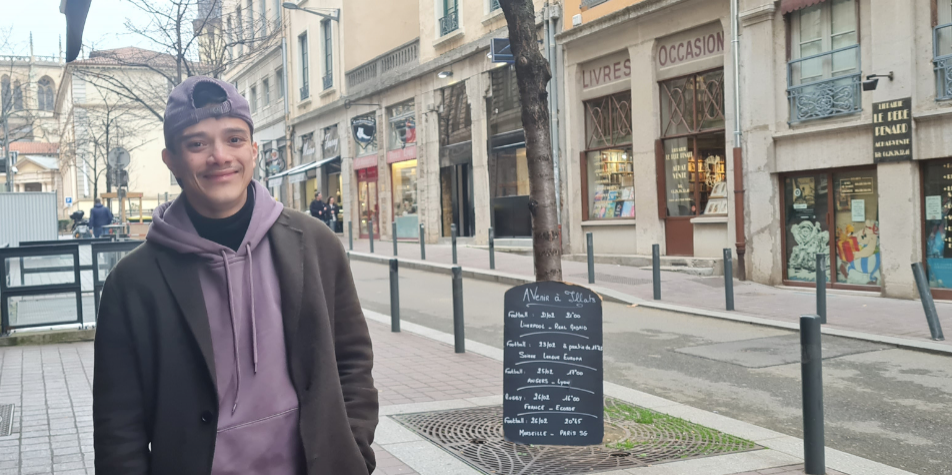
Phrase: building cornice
[758,15]
[632,12]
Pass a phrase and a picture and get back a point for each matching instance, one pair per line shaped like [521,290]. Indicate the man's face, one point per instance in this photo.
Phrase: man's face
[214,162]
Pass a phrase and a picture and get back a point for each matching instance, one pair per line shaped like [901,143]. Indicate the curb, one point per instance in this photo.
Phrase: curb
[48,338]
[615,296]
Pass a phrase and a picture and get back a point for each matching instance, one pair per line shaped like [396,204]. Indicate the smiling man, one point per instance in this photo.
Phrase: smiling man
[232,341]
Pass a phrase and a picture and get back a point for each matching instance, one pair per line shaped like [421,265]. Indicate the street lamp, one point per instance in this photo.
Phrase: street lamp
[334,12]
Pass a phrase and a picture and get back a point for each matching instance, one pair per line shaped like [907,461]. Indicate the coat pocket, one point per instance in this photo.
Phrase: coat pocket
[269,445]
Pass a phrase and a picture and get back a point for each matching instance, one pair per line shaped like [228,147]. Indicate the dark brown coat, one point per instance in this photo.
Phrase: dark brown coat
[154,365]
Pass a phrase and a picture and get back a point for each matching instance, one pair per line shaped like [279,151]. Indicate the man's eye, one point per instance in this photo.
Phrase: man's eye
[236,140]
[194,144]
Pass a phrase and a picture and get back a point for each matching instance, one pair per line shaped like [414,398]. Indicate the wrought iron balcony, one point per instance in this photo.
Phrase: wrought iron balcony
[494,5]
[328,81]
[450,22]
[305,92]
[825,85]
[942,58]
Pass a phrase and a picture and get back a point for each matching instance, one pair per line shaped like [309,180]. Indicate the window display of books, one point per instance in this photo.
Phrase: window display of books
[614,204]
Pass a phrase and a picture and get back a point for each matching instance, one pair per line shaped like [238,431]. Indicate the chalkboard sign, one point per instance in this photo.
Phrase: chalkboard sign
[552,380]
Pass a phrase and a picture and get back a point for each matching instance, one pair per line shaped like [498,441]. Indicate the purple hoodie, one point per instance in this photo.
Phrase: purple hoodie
[257,405]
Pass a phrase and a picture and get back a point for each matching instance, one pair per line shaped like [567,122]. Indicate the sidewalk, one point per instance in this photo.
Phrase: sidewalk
[853,314]
[416,371]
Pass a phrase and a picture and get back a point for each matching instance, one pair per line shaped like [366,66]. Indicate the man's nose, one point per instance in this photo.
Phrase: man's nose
[220,155]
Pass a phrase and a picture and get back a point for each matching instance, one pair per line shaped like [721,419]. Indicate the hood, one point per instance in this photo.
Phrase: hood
[97,205]
[171,227]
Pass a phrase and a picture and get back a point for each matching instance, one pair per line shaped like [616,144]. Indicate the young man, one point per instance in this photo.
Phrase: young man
[332,210]
[318,209]
[232,341]
[99,216]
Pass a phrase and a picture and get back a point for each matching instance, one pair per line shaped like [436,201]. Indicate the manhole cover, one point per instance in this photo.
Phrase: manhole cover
[635,437]
[6,419]
[612,279]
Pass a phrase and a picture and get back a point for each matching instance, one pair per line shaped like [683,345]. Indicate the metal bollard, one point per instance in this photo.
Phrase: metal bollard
[458,331]
[492,250]
[729,279]
[393,236]
[821,287]
[370,227]
[811,370]
[394,295]
[166,196]
[350,235]
[453,231]
[925,294]
[422,244]
[656,270]
[591,258]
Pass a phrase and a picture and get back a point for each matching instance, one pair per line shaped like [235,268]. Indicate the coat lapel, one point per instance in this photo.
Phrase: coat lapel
[287,249]
[181,274]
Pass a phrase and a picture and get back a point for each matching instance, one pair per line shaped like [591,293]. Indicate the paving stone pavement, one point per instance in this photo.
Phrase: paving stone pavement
[789,470]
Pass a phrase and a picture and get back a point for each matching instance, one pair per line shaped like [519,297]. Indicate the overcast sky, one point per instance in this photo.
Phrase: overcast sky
[104,26]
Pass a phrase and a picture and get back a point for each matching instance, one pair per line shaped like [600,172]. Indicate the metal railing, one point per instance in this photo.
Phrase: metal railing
[819,87]
[41,278]
[494,5]
[942,59]
[328,81]
[305,92]
[404,56]
[450,22]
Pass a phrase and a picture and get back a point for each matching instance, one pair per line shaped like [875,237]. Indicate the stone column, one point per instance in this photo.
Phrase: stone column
[476,87]
[428,161]
[645,99]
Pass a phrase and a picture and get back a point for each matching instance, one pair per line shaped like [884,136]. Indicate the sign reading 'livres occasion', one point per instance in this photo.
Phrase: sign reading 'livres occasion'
[552,381]
[892,131]
[690,46]
[600,73]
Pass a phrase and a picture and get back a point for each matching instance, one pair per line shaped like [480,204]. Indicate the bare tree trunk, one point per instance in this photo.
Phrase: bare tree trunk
[532,75]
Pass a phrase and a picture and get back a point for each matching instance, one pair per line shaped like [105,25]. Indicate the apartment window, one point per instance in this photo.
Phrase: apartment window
[263,15]
[279,79]
[254,99]
[17,95]
[450,21]
[251,20]
[266,91]
[942,47]
[231,39]
[44,94]
[494,5]
[302,43]
[277,13]
[7,95]
[328,54]
[824,77]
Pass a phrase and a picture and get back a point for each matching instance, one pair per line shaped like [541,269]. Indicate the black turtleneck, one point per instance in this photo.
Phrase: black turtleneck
[228,232]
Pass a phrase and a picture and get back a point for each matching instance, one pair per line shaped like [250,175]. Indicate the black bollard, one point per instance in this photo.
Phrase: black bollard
[925,294]
[393,236]
[591,258]
[422,244]
[370,226]
[656,270]
[821,287]
[811,369]
[492,251]
[458,332]
[350,235]
[394,295]
[729,279]
[453,231]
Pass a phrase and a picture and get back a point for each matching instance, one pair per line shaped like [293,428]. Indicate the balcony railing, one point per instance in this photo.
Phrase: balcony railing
[328,81]
[450,22]
[825,85]
[494,5]
[942,58]
[305,92]
[399,59]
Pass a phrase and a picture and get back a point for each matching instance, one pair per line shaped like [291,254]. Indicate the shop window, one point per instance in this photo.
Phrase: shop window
[824,76]
[937,207]
[402,126]
[608,165]
[404,176]
[692,104]
[809,204]
[942,49]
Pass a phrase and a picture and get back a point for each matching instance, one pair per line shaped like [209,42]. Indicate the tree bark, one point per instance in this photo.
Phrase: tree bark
[532,75]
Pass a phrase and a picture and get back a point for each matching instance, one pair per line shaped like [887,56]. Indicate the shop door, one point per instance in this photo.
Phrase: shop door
[509,177]
[458,182]
[367,200]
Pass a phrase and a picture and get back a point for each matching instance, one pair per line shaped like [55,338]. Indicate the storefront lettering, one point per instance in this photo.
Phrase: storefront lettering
[692,49]
[892,131]
[606,74]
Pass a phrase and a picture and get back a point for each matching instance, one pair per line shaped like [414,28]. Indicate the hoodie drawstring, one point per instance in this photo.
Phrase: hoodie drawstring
[234,328]
[254,323]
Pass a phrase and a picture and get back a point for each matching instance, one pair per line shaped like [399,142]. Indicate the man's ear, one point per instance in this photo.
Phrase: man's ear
[169,161]
[255,157]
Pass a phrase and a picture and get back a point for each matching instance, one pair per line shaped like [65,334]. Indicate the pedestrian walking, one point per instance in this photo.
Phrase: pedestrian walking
[99,216]
[318,209]
[332,213]
[232,341]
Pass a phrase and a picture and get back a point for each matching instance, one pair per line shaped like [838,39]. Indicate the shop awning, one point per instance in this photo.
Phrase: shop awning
[299,173]
[787,6]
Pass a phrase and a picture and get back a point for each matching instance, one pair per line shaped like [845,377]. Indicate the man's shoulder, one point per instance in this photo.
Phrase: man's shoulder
[311,227]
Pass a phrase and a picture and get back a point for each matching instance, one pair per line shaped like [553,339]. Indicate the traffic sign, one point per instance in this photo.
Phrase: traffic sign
[69,201]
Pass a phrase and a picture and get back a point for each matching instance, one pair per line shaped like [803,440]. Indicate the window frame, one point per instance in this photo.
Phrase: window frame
[826,35]
[583,161]
[253,100]
[327,39]
[305,67]
[266,91]
[279,79]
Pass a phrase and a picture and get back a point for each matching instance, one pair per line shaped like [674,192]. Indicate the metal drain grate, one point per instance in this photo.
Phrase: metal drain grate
[6,419]
[612,279]
[475,436]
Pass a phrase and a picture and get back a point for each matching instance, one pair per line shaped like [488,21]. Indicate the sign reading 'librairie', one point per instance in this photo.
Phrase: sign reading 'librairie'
[892,131]
[552,380]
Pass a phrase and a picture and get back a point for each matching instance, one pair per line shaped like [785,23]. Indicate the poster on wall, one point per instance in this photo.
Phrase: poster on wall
[858,209]
[677,164]
[933,208]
